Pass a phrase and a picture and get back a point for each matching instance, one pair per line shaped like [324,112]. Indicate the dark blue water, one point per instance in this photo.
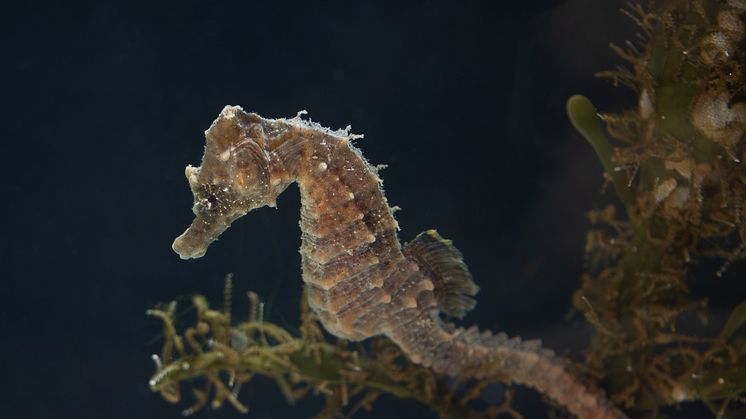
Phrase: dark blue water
[104,104]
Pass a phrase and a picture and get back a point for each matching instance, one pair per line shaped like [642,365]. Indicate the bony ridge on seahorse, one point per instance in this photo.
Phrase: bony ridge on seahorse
[360,281]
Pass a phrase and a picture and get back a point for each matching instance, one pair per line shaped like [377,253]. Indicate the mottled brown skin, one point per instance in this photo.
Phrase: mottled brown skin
[359,281]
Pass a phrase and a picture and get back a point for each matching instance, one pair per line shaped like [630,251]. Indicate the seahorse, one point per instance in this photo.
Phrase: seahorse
[360,280]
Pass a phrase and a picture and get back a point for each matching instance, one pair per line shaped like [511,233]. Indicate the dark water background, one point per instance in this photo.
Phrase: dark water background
[104,104]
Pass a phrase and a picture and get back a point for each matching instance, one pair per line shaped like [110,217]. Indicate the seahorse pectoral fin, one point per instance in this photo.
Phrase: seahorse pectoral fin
[454,286]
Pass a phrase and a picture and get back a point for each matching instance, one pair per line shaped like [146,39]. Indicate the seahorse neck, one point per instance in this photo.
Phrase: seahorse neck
[341,194]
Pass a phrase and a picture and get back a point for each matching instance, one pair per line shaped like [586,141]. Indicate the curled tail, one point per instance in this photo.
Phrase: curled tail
[469,353]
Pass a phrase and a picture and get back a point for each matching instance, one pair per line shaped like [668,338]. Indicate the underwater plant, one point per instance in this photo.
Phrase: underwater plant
[349,376]
[675,163]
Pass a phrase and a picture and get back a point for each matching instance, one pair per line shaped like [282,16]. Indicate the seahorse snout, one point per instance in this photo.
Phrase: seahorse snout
[187,247]
[205,229]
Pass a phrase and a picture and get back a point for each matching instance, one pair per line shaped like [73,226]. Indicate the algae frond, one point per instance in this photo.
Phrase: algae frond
[676,162]
[223,356]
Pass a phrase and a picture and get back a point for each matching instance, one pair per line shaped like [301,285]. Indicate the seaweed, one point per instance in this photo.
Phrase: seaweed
[675,161]
[349,376]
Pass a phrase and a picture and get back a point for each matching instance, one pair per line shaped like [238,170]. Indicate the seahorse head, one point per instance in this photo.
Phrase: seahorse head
[234,178]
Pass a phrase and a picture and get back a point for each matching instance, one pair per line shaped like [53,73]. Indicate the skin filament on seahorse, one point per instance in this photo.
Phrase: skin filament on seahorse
[360,280]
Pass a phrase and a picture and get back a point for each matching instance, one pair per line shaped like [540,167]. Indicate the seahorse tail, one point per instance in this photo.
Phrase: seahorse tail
[469,353]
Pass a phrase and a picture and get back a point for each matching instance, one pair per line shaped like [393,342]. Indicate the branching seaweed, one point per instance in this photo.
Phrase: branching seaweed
[350,377]
[676,165]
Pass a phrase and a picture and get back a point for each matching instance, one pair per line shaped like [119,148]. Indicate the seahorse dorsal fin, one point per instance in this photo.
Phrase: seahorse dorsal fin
[453,284]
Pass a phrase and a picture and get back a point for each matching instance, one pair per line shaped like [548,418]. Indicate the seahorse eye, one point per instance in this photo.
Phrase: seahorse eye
[212,199]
